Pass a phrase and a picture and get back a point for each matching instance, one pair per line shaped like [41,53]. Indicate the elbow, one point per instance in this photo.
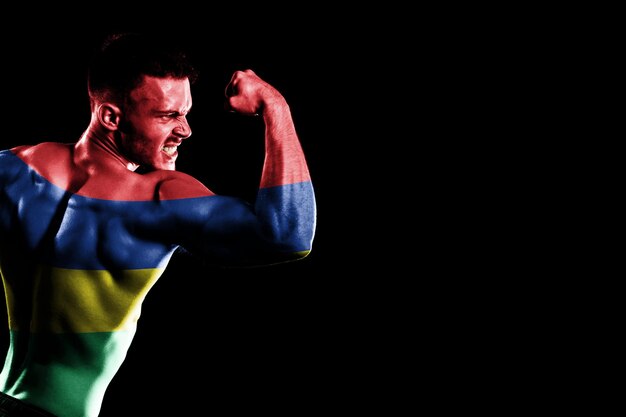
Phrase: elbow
[295,255]
[303,249]
[299,244]
[296,240]
[288,224]
[300,254]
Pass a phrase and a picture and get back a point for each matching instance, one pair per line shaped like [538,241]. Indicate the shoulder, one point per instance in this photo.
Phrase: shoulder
[46,149]
[46,159]
[10,164]
[44,156]
[172,185]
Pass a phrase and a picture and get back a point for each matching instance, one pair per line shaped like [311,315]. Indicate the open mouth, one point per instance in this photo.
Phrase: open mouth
[170,150]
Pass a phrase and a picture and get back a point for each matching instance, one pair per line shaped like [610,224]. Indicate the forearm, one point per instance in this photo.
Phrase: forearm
[286,200]
[284,159]
[284,214]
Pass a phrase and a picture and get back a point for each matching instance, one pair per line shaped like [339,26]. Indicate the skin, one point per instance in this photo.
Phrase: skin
[77,334]
[156,120]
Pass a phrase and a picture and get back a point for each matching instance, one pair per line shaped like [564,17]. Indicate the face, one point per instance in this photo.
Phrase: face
[154,123]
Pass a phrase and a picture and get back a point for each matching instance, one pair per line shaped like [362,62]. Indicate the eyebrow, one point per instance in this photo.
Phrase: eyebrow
[161,112]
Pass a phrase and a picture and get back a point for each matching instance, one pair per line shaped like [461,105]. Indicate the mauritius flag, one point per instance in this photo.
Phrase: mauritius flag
[77,262]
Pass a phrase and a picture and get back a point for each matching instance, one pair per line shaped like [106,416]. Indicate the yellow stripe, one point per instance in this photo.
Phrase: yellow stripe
[81,301]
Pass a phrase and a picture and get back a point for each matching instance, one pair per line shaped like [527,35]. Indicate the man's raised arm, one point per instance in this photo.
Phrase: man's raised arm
[286,201]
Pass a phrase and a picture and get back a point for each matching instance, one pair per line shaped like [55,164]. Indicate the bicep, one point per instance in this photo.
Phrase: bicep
[229,230]
[222,230]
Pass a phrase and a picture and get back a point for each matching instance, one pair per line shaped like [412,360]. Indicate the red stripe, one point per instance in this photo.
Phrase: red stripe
[53,161]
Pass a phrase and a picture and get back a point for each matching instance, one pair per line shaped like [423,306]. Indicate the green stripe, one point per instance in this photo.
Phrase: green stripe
[66,374]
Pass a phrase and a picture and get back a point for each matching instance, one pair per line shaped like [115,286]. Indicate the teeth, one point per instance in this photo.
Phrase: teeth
[170,150]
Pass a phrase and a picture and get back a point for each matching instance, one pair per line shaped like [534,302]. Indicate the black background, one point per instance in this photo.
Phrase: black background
[263,340]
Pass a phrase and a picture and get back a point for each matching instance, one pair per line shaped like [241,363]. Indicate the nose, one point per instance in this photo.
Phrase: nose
[182,129]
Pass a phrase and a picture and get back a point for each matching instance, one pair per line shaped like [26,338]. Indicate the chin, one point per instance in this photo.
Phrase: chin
[167,166]
[163,165]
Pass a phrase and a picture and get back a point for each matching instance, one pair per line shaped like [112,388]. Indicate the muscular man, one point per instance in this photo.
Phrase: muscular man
[85,233]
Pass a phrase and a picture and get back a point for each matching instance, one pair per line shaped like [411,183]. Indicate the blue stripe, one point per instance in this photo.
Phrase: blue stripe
[292,216]
[76,232]
[70,231]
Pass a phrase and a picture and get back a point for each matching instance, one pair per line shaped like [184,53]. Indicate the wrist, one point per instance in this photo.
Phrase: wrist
[274,105]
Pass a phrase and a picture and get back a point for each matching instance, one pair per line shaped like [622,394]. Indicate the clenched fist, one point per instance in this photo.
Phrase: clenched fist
[248,94]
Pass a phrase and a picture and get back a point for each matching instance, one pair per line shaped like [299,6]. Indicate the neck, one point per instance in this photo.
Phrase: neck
[99,146]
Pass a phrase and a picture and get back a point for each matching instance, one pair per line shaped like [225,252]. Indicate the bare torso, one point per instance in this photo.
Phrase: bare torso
[83,239]
[82,245]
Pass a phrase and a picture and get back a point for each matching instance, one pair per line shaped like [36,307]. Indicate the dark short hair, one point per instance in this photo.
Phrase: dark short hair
[118,66]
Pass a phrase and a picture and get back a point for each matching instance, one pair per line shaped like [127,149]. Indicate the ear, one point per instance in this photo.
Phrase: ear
[109,116]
